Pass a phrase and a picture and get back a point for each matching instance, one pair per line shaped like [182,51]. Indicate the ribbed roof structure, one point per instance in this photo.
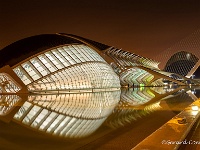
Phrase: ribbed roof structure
[22,49]
[55,62]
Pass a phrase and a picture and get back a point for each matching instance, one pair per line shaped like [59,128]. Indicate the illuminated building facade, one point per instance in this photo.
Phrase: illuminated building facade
[66,63]
[134,70]
[55,62]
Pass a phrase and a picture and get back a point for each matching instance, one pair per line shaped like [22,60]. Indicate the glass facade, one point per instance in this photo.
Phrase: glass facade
[8,103]
[76,64]
[65,68]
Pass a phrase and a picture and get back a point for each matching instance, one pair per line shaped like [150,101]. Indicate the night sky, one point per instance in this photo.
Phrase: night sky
[144,27]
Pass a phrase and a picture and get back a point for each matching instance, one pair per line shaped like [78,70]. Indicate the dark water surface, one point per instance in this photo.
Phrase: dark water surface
[104,120]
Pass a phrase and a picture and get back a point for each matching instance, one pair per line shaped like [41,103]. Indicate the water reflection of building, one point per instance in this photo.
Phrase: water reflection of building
[178,101]
[8,103]
[130,107]
[79,115]
[140,102]
[67,115]
[136,97]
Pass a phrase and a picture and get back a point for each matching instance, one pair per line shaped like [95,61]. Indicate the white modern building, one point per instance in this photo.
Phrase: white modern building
[69,63]
[55,62]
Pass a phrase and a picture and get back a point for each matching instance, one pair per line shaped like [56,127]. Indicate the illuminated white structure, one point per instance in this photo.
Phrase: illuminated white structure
[67,67]
[61,63]
[66,63]
[135,76]
[137,70]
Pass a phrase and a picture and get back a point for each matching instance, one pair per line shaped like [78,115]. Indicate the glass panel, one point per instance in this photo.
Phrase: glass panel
[67,54]
[62,125]
[55,123]
[54,60]
[85,53]
[60,57]
[22,75]
[31,115]
[47,63]
[39,66]
[39,118]
[22,110]
[29,69]
[48,121]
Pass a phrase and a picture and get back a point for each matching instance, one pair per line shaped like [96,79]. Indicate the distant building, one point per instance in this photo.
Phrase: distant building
[183,63]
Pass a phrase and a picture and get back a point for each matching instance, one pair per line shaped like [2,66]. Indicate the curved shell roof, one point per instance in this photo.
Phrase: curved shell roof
[27,47]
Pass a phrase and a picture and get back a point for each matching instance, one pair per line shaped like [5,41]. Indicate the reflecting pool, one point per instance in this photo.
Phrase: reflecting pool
[100,120]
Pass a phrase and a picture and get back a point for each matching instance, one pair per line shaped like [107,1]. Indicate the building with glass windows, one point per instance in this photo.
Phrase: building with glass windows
[55,62]
[69,63]
[135,70]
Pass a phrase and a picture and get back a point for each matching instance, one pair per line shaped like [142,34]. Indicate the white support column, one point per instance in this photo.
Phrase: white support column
[193,70]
